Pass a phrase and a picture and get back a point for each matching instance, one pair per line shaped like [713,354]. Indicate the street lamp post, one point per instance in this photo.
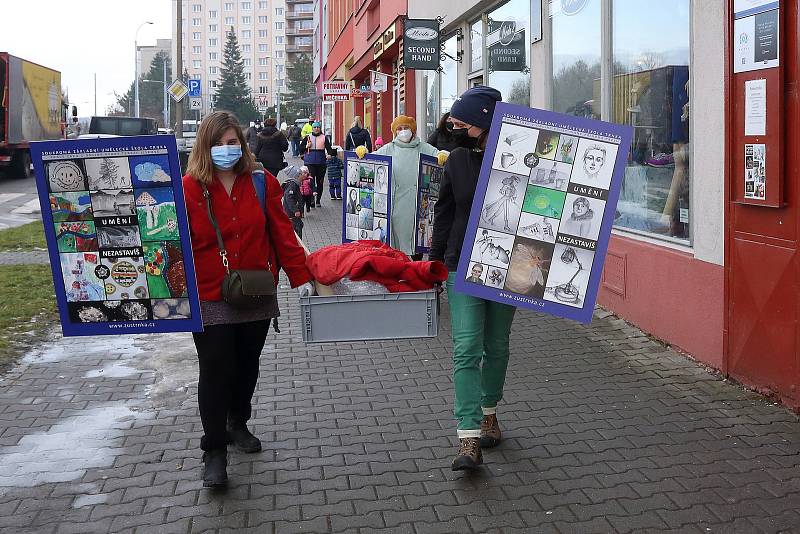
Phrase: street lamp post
[136,68]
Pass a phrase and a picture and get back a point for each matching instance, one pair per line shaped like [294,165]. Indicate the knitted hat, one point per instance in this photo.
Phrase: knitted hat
[379,140]
[476,106]
[404,120]
[316,124]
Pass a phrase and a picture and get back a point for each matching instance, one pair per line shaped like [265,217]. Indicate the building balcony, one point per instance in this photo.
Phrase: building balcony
[299,32]
[295,49]
[293,2]
[299,15]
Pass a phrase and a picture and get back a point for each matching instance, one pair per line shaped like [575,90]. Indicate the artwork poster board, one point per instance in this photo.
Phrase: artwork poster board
[429,181]
[543,210]
[117,235]
[367,199]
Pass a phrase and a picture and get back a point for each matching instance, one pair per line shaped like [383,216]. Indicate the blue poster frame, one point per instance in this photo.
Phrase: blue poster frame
[578,127]
[424,159]
[136,146]
[368,158]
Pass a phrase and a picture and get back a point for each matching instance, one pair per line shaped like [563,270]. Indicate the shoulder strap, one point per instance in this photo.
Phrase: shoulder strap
[220,244]
[260,183]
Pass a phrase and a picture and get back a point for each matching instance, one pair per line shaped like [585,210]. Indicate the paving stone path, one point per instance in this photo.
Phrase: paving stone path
[605,431]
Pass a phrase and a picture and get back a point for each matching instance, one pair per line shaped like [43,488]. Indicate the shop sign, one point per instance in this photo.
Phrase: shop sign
[365,87]
[572,7]
[380,82]
[506,45]
[540,224]
[383,42]
[335,91]
[421,46]
[357,93]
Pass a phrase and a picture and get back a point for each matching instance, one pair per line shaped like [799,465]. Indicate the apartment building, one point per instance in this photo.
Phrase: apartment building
[148,53]
[261,28]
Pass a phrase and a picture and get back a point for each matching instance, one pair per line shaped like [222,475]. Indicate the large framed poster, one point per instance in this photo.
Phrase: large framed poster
[367,197]
[117,235]
[430,179]
[543,210]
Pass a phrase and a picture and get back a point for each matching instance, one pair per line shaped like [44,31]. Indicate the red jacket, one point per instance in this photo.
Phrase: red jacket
[241,221]
[375,261]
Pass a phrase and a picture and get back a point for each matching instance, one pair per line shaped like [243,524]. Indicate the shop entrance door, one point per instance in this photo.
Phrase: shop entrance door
[762,264]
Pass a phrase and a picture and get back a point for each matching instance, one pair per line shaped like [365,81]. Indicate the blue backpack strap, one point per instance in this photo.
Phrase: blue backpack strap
[260,183]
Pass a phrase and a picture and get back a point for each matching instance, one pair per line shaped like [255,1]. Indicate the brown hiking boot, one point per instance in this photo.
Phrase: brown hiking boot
[490,431]
[469,454]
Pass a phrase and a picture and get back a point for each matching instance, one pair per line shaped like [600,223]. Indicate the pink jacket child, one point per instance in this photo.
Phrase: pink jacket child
[306,188]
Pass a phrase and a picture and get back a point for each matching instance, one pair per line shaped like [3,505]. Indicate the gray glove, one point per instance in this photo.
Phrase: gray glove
[306,290]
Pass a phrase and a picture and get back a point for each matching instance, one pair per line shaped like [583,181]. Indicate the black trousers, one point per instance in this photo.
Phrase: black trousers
[317,171]
[228,356]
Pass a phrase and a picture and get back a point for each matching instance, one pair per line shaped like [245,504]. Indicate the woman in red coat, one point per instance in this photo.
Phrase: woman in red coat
[229,347]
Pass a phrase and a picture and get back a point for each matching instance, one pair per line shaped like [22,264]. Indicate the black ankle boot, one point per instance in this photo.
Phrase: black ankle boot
[214,471]
[241,437]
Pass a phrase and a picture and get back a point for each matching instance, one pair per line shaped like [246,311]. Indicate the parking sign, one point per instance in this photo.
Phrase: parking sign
[194,88]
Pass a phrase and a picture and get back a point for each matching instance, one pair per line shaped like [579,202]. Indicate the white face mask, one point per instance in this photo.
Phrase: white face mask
[405,135]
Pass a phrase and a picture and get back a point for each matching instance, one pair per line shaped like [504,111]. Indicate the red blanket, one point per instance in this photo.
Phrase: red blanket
[377,262]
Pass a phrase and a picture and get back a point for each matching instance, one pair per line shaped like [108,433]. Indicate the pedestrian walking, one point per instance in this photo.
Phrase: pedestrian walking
[233,230]
[251,135]
[293,198]
[306,130]
[443,137]
[335,167]
[405,150]
[480,328]
[357,136]
[307,188]
[294,139]
[271,144]
[317,149]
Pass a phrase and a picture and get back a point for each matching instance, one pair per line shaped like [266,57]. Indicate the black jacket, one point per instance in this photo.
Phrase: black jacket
[270,148]
[444,140]
[453,207]
[357,137]
[294,132]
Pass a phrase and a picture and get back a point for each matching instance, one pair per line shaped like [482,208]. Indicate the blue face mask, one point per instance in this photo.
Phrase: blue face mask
[225,156]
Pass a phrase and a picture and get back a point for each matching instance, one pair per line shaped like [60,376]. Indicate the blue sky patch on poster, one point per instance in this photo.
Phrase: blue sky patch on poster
[543,210]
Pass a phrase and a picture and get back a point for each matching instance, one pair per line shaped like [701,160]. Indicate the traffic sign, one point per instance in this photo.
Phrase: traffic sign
[195,87]
[263,101]
[178,90]
[195,102]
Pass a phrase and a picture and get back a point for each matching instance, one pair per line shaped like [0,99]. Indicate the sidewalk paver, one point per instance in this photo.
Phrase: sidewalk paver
[605,430]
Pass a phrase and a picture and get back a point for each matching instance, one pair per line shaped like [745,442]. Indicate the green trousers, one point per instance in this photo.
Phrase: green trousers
[480,355]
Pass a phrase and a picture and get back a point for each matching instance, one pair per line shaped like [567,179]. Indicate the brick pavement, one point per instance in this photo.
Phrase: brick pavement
[605,431]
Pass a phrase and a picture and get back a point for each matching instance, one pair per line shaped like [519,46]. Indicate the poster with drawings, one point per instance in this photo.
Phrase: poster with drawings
[367,201]
[429,181]
[542,213]
[117,236]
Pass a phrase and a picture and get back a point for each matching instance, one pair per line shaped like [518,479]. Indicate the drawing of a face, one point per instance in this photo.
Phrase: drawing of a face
[66,175]
[580,206]
[354,195]
[477,270]
[593,160]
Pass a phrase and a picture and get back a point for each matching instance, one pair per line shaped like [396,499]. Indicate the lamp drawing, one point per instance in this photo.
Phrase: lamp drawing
[568,292]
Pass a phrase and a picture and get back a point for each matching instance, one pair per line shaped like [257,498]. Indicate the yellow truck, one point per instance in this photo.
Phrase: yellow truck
[31,109]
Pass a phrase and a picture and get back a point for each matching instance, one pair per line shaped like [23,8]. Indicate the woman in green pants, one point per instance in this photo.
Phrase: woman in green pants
[480,327]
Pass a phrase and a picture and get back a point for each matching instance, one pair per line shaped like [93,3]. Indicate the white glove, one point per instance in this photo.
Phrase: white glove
[306,290]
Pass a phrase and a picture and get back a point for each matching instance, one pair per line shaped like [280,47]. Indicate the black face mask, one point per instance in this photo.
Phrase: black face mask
[448,126]
[462,132]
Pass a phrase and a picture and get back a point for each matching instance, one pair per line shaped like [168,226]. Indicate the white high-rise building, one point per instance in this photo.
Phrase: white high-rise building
[261,28]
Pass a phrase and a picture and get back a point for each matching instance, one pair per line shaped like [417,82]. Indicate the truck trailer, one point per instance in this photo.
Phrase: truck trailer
[30,110]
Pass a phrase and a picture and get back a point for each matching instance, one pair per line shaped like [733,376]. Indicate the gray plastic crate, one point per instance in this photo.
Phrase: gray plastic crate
[370,317]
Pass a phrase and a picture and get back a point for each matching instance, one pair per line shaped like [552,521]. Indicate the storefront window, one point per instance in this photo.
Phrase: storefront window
[507,46]
[431,100]
[449,76]
[650,93]
[576,57]
[476,46]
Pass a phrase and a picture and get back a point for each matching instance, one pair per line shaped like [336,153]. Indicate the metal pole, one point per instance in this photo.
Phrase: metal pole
[178,65]
[95,93]
[136,68]
[278,107]
[166,100]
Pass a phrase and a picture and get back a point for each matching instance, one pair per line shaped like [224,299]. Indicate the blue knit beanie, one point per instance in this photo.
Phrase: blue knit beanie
[476,106]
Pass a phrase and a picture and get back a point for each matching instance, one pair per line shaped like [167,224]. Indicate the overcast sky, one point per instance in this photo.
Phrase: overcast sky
[83,37]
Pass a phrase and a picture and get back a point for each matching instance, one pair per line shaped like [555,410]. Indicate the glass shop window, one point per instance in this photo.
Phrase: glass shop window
[651,93]
[449,76]
[507,49]
[476,46]
[576,62]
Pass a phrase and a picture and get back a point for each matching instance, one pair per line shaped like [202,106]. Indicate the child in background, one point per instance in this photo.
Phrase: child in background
[378,142]
[306,188]
[292,199]
[335,175]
